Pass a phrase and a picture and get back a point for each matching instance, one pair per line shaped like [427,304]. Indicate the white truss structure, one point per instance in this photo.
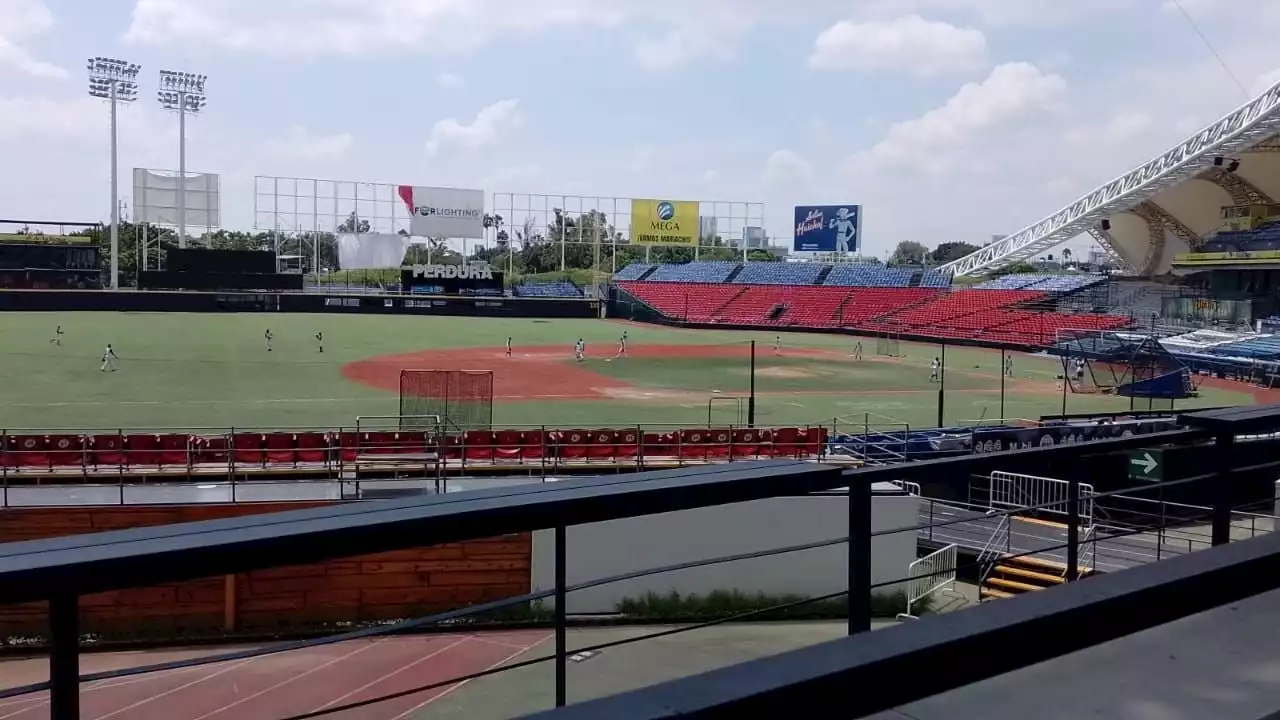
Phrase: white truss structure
[1246,127]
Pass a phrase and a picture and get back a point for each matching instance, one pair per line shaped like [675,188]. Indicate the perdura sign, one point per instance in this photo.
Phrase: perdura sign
[664,222]
[461,272]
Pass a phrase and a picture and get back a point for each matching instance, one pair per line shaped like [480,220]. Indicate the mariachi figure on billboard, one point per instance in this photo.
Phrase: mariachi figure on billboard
[828,228]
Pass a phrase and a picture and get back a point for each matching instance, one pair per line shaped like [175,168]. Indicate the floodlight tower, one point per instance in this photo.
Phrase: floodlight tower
[115,81]
[183,92]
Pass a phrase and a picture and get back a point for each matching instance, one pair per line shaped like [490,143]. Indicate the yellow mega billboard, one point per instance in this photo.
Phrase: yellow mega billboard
[664,222]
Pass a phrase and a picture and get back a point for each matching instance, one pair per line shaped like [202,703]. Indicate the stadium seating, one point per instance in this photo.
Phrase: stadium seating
[870,298]
[1260,347]
[1266,237]
[634,271]
[859,275]
[560,289]
[779,273]
[694,272]
[218,454]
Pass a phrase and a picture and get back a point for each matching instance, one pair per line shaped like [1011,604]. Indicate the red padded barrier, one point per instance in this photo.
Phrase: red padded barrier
[693,444]
[27,451]
[348,446]
[719,441]
[784,442]
[534,444]
[746,443]
[451,447]
[658,445]
[628,444]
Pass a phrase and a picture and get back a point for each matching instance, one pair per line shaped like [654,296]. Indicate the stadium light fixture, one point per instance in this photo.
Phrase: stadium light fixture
[115,81]
[184,93]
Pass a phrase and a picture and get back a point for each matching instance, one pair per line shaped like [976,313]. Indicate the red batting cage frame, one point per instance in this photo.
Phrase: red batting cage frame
[461,399]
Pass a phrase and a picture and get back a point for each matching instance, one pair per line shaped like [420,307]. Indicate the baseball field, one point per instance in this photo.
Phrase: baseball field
[215,371]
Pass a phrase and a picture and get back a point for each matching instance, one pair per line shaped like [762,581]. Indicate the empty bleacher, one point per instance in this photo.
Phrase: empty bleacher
[634,271]
[1258,347]
[1017,309]
[560,289]
[694,272]
[778,273]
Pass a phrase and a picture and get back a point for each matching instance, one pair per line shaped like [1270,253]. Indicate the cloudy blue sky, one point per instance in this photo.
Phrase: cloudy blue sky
[947,119]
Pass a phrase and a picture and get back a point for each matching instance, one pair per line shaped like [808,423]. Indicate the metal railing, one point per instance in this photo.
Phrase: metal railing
[928,575]
[997,547]
[151,557]
[1009,490]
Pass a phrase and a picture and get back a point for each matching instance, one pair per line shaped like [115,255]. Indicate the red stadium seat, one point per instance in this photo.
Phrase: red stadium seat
[658,446]
[784,442]
[211,450]
[411,442]
[450,447]
[348,446]
[693,444]
[65,450]
[746,444]
[28,451]
[313,447]
[628,444]
[719,441]
[572,444]
[141,450]
[106,450]
[509,444]
[533,446]
[478,445]
[175,449]
[383,442]
[600,445]
[280,448]
[248,448]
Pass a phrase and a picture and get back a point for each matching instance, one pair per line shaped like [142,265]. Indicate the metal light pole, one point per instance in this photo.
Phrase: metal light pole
[183,92]
[115,81]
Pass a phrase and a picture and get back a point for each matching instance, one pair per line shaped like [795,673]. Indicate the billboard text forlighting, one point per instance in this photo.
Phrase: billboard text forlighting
[828,228]
[444,212]
[664,222]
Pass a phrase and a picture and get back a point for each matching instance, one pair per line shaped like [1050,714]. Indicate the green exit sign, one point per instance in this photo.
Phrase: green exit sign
[1146,464]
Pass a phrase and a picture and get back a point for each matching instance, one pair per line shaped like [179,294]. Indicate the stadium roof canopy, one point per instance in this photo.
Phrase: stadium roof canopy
[1168,205]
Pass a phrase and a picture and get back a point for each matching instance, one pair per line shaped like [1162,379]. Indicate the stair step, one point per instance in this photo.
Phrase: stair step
[1012,585]
[1030,574]
[1042,563]
[993,593]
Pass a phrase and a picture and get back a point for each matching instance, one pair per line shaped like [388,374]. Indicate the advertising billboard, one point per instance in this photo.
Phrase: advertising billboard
[664,222]
[444,212]
[828,228]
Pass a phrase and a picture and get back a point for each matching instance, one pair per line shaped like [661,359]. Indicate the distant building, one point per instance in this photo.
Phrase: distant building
[707,228]
[755,237]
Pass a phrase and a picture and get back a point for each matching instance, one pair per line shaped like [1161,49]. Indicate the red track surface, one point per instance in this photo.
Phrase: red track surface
[276,686]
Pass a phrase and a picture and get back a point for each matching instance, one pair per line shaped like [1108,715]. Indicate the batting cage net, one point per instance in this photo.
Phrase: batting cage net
[1122,363]
[889,345]
[461,399]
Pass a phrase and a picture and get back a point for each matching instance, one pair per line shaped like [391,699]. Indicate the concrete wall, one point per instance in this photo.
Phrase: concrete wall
[621,546]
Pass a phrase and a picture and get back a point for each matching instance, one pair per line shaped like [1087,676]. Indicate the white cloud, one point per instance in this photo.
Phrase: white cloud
[490,125]
[299,143]
[785,170]
[942,137]
[21,20]
[450,81]
[1011,12]
[1265,81]
[907,44]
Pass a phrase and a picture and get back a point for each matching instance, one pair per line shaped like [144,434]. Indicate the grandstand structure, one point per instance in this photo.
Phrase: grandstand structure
[1168,206]
[1023,310]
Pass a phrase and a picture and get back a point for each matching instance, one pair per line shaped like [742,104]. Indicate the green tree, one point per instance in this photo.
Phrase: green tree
[909,252]
[354,224]
[951,251]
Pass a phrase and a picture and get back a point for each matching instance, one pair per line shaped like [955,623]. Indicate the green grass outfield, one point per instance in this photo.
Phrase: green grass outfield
[212,371]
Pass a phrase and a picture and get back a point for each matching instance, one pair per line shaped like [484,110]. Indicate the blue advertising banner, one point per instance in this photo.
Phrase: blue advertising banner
[828,228]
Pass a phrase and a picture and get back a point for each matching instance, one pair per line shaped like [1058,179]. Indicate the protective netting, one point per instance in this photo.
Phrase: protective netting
[461,399]
[889,345]
[1121,363]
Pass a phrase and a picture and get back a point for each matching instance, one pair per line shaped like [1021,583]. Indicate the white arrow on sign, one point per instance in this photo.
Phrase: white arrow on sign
[1146,462]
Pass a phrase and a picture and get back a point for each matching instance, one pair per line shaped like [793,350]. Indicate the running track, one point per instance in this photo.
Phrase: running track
[276,686]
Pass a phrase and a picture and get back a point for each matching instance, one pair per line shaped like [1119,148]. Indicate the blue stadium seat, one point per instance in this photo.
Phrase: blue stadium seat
[694,272]
[560,289]
[1041,283]
[779,273]
[632,271]
[860,275]
[1263,347]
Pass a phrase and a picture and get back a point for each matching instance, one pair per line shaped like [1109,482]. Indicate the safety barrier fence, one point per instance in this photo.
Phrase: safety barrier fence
[63,570]
[232,450]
